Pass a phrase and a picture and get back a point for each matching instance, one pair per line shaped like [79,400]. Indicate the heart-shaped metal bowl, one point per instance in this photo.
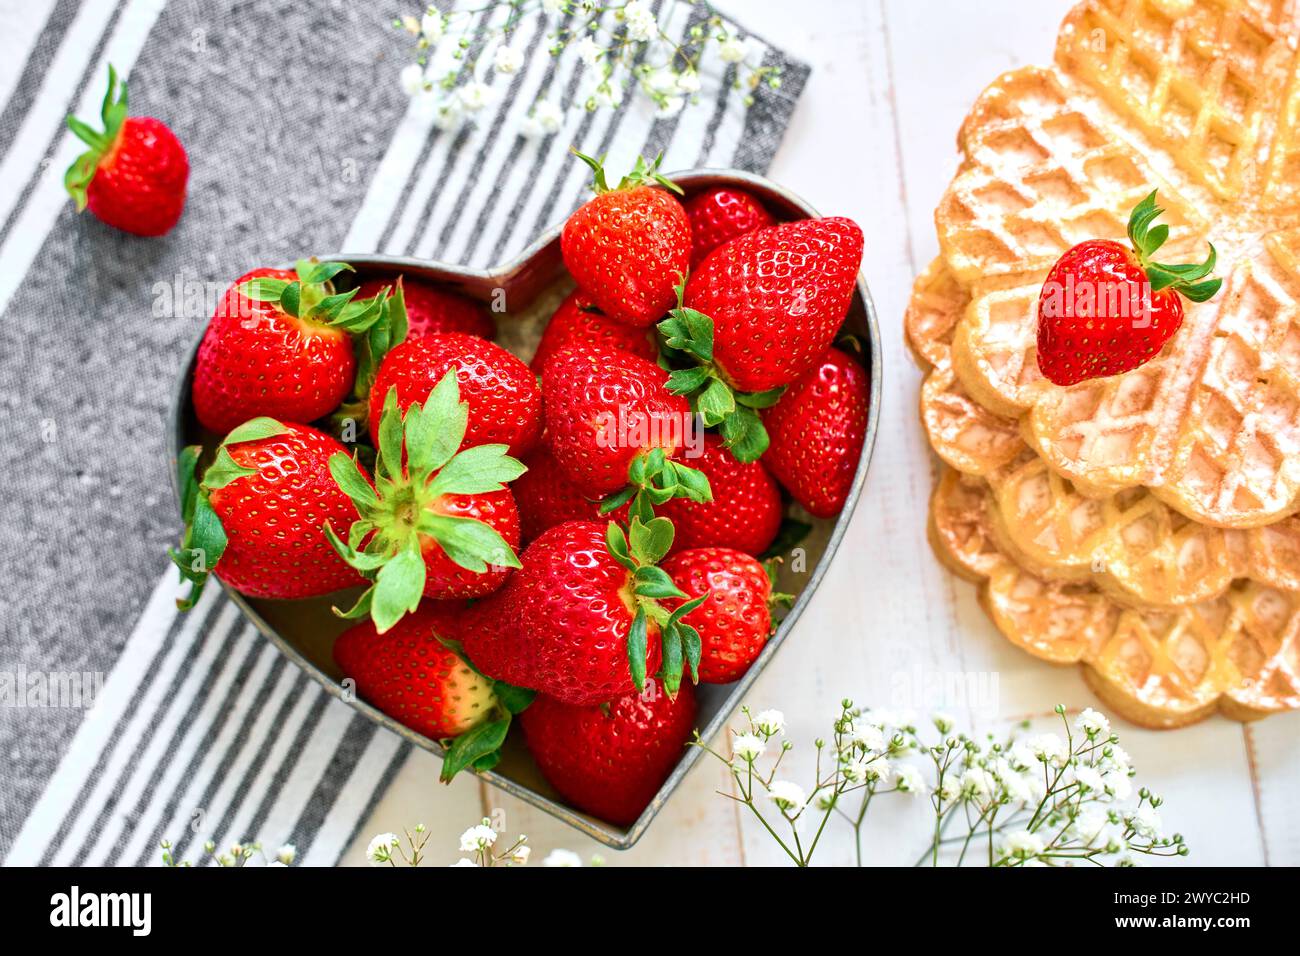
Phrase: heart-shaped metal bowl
[530,286]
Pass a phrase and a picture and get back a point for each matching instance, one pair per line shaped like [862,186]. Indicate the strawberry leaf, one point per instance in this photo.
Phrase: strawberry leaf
[398,587]
[360,609]
[224,470]
[390,437]
[671,669]
[473,747]
[744,435]
[636,648]
[616,544]
[653,582]
[650,541]
[715,403]
[263,289]
[255,429]
[476,471]
[348,476]
[512,698]
[311,272]
[470,543]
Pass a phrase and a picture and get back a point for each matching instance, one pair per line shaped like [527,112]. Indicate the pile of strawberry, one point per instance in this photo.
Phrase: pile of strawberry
[544,542]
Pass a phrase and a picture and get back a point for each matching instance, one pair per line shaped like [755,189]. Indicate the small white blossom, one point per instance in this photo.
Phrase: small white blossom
[748,746]
[474,96]
[1013,781]
[942,721]
[1092,723]
[508,60]
[412,79]
[1047,747]
[950,789]
[770,722]
[787,795]
[277,863]
[1090,777]
[868,735]
[1115,757]
[521,854]
[910,779]
[562,858]
[977,784]
[732,50]
[431,26]
[589,51]
[477,838]
[553,7]
[1145,822]
[544,119]
[287,854]
[688,82]
[1090,824]
[641,23]
[1022,844]
[464,861]
[380,849]
[1118,785]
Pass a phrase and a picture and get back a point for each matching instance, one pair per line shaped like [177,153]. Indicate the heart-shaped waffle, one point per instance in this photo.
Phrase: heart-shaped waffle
[1131,545]
[1201,101]
[1239,654]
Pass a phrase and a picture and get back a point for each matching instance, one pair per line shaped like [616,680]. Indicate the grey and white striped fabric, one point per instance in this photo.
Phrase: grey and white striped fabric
[300,140]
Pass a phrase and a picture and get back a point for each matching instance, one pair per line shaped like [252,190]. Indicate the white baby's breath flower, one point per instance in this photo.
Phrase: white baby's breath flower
[1145,822]
[507,60]
[1092,723]
[1115,757]
[1118,784]
[770,722]
[950,789]
[880,770]
[279,863]
[731,50]
[977,784]
[661,81]
[412,79]
[464,861]
[670,107]
[688,82]
[1013,781]
[544,119]
[1023,844]
[380,850]
[1047,747]
[748,746]
[521,854]
[432,26]
[1090,777]
[477,838]
[787,795]
[607,96]
[474,96]
[910,779]
[943,722]
[589,51]
[868,735]
[641,23]
[287,854]
[1089,826]
[553,7]
[562,858]
[1022,756]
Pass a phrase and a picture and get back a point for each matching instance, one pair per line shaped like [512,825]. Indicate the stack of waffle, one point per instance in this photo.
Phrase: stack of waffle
[1141,525]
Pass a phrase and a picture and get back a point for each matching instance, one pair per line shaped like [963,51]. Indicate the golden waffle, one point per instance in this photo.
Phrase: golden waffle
[1131,545]
[1239,654]
[1200,100]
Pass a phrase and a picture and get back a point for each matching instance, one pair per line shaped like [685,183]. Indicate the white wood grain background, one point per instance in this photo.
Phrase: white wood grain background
[874,139]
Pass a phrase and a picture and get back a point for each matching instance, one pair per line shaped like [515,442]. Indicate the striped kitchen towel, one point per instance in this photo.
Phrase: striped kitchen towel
[301,141]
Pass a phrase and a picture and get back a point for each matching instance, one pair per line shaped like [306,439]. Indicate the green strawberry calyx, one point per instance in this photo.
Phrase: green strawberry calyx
[204,540]
[1187,280]
[311,297]
[396,515]
[642,174]
[640,550]
[654,479]
[479,748]
[371,346]
[113,114]
[688,336]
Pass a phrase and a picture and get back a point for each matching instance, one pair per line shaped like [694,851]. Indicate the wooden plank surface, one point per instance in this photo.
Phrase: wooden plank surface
[874,139]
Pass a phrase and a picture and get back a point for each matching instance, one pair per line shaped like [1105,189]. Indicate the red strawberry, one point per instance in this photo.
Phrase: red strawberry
[817,430]
[278,345]
[745,512]
[547,496]
[432,311]
[505,403]
[629,247]
[438,522]
[611,761]
[256,519]
[413,677]
[134,174]
[719,215]
[578,322]
[735,620]
[757,314]
[581,621]
[612,425]
[1107,309]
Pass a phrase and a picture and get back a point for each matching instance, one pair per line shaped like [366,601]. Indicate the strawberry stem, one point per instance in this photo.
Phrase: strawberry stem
[112,114]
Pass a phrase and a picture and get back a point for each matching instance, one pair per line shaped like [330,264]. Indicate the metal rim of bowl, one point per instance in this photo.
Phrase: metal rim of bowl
[607,834]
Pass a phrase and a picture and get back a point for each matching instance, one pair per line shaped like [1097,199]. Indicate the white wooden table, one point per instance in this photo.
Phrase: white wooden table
[874,139]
